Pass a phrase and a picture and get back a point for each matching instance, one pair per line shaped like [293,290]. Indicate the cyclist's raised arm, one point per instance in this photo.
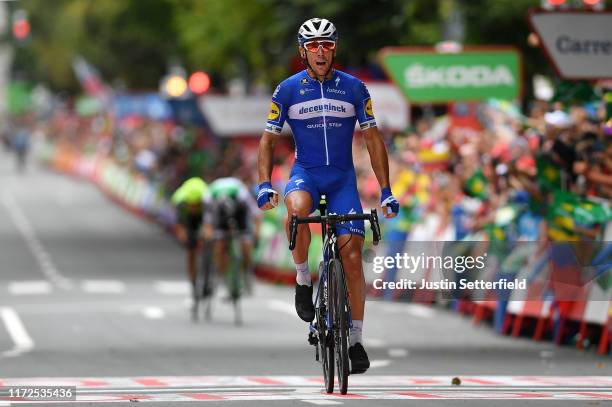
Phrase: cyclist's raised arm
[376,148]
[274,125]
[367,123]
[265,156]
[378,155]
[267,198]
[380,165]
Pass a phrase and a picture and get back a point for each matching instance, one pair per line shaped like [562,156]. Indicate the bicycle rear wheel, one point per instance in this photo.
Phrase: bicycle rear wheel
[205,280]
[341,331]
[234,278]
[326,339]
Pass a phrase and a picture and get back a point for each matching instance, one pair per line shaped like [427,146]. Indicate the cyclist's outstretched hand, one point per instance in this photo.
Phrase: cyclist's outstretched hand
[390,205]
[267,197]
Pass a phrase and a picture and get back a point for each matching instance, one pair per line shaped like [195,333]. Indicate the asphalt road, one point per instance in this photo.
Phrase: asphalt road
[93,297]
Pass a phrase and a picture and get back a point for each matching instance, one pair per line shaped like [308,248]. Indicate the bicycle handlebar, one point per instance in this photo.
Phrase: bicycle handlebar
[332,220]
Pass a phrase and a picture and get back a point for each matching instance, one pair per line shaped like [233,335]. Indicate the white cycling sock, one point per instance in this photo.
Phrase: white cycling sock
[303,275]
[355,333]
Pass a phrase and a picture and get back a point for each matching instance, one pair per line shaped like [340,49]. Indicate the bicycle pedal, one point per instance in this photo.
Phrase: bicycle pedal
[312,339]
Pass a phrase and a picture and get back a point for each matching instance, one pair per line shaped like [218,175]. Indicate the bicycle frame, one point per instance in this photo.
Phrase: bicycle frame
[338,333]
[330,251]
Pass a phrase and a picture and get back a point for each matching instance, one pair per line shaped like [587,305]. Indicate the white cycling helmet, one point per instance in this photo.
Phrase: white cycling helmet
[316,28]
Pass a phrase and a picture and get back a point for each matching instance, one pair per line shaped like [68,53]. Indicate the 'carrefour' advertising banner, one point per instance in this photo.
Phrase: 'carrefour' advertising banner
[426,76]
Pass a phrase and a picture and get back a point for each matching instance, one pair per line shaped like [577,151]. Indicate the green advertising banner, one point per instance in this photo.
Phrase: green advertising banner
[426,76]
[19,96]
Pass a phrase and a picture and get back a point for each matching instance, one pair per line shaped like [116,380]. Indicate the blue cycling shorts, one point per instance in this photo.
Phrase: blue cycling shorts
[340,188]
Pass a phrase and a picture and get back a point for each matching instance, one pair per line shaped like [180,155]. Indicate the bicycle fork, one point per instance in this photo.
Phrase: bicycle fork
[314,329]
[313,334]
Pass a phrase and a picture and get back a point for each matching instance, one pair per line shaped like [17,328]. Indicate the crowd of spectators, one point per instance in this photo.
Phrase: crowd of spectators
[454,178]
[163,152]
[484,176]
[459,182]
[463,182]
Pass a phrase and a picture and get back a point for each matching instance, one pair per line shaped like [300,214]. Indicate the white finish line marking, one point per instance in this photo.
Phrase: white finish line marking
[17,331]
[536,382]
[27,232]
[309,388]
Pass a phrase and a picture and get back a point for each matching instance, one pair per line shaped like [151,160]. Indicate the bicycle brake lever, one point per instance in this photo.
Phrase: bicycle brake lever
[375,227]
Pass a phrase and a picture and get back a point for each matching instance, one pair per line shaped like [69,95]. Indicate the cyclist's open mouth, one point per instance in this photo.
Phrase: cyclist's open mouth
[321,63]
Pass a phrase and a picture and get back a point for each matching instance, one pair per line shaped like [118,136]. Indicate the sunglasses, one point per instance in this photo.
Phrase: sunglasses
[313,46]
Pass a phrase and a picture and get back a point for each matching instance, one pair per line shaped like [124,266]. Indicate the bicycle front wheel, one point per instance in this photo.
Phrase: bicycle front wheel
[325,324]
[204,284]
[341,329]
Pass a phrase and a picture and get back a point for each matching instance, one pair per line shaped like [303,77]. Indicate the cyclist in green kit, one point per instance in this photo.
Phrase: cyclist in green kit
[188,200]
[231,209]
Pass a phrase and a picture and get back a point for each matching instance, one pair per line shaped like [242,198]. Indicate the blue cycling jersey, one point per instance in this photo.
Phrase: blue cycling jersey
[322,117]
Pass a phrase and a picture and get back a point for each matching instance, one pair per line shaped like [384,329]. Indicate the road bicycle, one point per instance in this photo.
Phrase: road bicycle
[329,332]
[206,279]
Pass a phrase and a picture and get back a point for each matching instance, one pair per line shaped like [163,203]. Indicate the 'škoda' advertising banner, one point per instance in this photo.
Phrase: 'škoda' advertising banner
[426,76]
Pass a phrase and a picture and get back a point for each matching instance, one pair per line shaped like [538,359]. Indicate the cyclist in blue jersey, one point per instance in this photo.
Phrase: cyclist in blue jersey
[321,105]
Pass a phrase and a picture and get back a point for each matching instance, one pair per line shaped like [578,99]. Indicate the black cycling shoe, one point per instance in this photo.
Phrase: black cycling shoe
[359,359]
[303,302]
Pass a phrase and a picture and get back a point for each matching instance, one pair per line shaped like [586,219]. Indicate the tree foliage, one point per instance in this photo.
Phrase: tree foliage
[128,41]
[132,41]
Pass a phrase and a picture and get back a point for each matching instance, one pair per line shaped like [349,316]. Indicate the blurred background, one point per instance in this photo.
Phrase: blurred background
[496,115]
